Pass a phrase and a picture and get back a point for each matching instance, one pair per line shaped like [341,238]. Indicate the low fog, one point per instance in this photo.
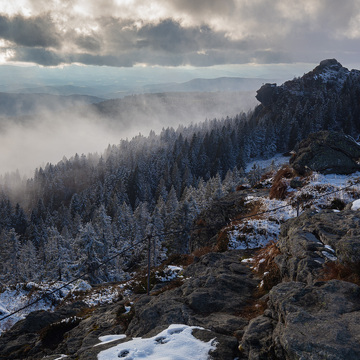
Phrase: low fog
[50,132]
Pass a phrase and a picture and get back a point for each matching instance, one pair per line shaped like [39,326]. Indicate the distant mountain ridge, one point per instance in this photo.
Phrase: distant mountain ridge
[120,90]
[217,84]
[24,104]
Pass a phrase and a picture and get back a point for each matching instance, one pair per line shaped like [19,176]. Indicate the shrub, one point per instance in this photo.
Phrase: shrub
[337,204]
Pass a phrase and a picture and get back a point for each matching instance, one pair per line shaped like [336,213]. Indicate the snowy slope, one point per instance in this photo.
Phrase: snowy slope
[319,192]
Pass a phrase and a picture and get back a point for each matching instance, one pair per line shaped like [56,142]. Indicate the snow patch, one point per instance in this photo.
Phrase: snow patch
[82,285]
[110,338]
[329,256]
[356,205]
[174,343]
[169,273]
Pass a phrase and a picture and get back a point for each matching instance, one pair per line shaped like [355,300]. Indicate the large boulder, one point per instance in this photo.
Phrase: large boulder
[306,322]
[311,240]
[327,152]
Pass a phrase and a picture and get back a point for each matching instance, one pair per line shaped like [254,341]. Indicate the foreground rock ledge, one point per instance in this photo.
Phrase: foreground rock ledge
[307,322]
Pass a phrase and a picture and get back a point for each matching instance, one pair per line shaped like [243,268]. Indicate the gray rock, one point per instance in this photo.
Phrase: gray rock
[306,242]
[268,94]
[217,288]
[307,322]
[327,152]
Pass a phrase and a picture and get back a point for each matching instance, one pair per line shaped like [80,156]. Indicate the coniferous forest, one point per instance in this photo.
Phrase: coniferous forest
[73,215]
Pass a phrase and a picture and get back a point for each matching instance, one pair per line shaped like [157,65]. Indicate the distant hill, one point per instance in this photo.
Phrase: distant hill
[64,90]
[121,90]
[24,104]
[211,85]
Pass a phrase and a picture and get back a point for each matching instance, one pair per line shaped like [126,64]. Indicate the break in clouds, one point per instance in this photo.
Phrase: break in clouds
[179,32]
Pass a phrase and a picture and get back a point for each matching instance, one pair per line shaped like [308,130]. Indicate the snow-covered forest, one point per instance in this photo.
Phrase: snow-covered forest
[74,215]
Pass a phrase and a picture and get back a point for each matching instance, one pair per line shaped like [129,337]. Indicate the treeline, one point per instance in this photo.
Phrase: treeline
[73,215]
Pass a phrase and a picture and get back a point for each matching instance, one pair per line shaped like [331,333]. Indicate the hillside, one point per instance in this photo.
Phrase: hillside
[218,291]
[91,217]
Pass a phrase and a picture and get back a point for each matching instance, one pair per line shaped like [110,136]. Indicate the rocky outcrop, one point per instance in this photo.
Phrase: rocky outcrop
[308,242]
[27,338]
[307,318]
[307,322]
[217,288]
[268,94]
[327,152]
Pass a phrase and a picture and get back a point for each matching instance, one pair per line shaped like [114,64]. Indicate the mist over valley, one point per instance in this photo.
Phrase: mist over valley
[37,128]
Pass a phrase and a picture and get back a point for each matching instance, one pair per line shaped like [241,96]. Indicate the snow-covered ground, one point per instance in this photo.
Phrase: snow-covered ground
[318,192]
[276,161]
[174,343]
[16,297]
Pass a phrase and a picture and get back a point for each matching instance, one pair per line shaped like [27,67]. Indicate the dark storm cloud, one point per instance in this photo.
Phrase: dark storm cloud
[35,31]
[122,43]
[38,56]
[200,33]
[87,42]
[170,36]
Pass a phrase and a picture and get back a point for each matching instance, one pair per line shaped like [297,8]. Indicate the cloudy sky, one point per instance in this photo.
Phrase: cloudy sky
[198,33]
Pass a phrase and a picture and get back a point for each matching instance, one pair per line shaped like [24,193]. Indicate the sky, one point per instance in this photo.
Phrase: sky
[173,33]
[120,44]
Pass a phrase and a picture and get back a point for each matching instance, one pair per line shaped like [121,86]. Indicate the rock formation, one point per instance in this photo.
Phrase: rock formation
[327,152]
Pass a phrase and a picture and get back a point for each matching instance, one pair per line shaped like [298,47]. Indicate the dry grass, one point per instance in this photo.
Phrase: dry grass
[222,241]
[279,187]
[335,270]
[253,208]
[253,309]
[265,267]
[124,319]
[172,285]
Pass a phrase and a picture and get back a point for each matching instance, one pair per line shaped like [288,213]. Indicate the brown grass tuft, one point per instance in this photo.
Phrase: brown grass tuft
[264,263]
[222,241]
[253,309]
[172,285]
[278,189]
[335,270]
